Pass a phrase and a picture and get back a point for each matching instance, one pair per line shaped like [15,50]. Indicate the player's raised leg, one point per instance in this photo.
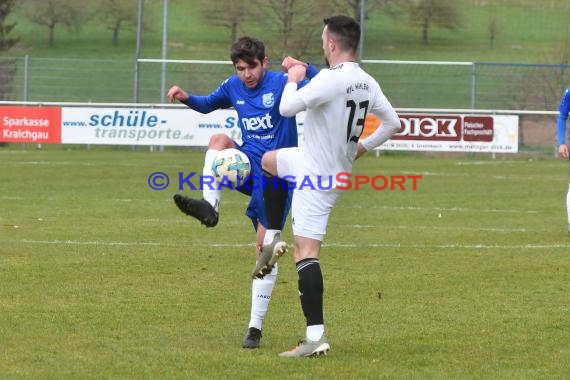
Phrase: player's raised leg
[206,210]
[275,194]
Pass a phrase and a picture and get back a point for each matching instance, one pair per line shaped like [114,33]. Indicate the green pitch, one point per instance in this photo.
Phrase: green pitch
[466,277]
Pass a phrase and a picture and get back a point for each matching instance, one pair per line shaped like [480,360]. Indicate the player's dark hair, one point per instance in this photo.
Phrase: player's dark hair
[346,30]
[247,49]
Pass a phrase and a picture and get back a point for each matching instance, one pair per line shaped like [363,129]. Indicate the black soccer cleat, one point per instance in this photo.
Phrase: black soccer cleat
[252,338]
[197,208]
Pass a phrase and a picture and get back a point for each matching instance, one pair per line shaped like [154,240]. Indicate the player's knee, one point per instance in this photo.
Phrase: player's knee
[304,251]
[269,162]
[220,141]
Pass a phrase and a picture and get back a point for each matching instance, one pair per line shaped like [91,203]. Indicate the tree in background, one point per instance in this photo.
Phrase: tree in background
[441,13]
[229,14]
[492,29]
[7,66]
[51,13]
[6,42]
[290,27]
[117,13]
[542,86]
[297,25]
[352,7]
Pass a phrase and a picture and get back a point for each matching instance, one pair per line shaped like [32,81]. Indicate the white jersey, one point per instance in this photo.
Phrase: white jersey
[337,101]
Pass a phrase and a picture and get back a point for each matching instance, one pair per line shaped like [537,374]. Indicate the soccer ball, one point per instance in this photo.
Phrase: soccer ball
[231,164]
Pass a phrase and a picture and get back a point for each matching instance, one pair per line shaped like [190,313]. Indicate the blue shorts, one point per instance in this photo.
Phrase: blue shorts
[254,187]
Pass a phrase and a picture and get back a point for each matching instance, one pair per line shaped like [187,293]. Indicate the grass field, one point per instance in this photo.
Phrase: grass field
[101,277]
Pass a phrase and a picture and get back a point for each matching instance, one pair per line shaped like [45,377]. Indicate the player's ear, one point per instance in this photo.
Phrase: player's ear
[265,61]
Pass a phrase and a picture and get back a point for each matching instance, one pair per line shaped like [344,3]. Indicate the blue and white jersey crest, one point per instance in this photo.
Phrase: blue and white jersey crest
[268,100]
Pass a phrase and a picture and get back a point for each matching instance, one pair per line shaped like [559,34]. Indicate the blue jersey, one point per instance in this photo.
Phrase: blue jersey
[262,126]
[563,111]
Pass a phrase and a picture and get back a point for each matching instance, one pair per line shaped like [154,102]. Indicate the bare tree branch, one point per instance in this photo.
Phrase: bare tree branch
[441,13]
[7,66]
[50,13]
[297,25]
[229,14]
[117,13]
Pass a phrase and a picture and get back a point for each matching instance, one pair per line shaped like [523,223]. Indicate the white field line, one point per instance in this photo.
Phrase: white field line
[362,226]
[455,209]
[485,175]
[333,245]
[553,163]
[183,169]
[167,199]
[94,164]
[400,227]
[449,246]
[374,207]
[492,163]
[446,228]
[92,242]
[226,202]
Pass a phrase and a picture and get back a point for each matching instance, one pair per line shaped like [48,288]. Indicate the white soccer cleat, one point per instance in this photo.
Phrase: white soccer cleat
[269,256]
[308,348]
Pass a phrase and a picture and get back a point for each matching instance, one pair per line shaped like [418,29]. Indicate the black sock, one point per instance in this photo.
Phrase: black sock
[311,290]
[275,196]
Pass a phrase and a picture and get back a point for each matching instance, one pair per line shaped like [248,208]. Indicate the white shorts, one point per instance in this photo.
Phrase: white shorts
[310,207]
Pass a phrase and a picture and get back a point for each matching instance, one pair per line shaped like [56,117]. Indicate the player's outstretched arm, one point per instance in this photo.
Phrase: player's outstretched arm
[176,93]
[296,73]
[390,125]
[563,151]
[291,103]
[310,70]
[289,62]
[563,111]
[360,151]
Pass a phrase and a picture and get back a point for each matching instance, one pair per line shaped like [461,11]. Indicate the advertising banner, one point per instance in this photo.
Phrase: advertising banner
[456,133]
[185,127]
[145,126]
[30,124]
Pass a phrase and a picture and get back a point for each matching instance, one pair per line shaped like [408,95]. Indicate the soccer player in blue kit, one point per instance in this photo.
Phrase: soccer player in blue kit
[255,93]
[563,111]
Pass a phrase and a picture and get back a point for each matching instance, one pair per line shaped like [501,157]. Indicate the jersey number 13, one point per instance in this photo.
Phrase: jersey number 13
[355,127]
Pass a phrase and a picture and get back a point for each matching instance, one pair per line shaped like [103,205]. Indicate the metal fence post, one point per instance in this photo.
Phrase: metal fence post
[138,51]
[26,76]
[473,85]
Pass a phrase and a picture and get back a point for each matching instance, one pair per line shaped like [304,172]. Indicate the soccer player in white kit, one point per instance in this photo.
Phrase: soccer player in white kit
[336,102]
